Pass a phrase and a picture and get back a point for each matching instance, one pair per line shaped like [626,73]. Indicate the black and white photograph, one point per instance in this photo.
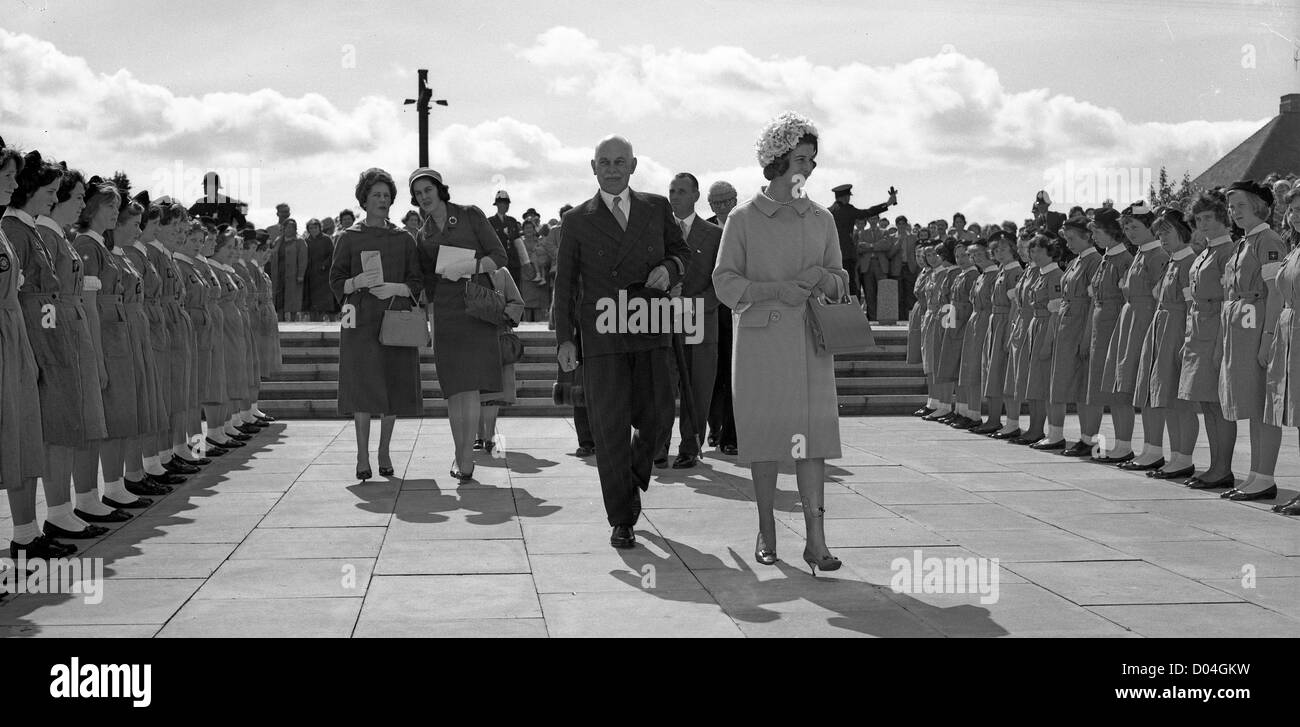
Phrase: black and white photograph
[641,321]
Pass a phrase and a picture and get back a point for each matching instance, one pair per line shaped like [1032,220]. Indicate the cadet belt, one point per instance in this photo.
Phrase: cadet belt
[1042,313]
[29,295]
[1248,296]
[1001,309]
[108,299]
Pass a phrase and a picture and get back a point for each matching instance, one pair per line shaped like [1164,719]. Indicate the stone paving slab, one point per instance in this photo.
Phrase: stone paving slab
[280,539]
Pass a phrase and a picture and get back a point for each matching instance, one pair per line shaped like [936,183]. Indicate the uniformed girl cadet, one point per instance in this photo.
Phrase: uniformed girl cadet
[198,292]
[154,445]
[995,358]
[1161,361]
[1250,312]
[953,326]
[106,280]
[262,324]
[970,379]
[234,338]
[1016,382]
[1198,380]
[214,388]
[1043,296]
[1107,304]
[53,343]
[22,451]
[1282,407]
[1125,352]
[139,280]
[937,298]
[1073,339]
[72,314]
[246,300]
[915,334]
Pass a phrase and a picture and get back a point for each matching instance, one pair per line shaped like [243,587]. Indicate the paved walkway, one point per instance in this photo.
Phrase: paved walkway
[282,541]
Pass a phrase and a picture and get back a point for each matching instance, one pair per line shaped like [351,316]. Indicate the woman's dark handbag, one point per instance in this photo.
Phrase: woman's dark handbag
[840,327]
[512,348]
[482,300]
[404,328]
[567,391]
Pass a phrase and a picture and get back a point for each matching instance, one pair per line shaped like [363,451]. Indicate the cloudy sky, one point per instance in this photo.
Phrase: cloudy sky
[969,106]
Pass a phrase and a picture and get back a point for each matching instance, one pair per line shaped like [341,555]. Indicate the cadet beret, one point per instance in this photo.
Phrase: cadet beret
[1253,187]
[1077,223]
[1106,217]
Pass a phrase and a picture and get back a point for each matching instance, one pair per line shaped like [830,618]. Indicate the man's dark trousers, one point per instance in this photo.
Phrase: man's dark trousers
[722,418]
[627,390]
[702,370]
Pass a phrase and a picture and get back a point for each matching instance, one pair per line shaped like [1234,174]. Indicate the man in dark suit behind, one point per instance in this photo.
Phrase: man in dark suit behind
[701,356]
[618,240]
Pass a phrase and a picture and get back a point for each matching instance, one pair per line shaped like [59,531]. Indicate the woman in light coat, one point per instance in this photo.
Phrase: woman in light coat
[777,250]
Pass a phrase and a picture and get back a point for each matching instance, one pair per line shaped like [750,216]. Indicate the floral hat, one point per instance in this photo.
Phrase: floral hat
[782,135]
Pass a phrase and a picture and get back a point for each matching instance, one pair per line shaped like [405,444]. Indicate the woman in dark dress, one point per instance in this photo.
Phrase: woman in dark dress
[318,299]
[375,379]
[466,349]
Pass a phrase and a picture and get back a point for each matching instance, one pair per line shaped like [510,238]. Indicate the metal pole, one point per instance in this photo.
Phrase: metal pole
[422,95]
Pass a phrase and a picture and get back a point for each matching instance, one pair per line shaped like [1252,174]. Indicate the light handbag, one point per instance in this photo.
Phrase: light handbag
[840,327]
[404,328]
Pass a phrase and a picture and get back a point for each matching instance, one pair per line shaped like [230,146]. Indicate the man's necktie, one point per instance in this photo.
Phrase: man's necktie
[618,213]
[685,229]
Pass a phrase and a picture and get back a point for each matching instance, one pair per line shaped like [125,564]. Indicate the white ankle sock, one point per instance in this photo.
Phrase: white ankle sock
[164,456]
[1151,453]
[117,492]
[1055,434]
[153,467]
[1088,438]
[135,476]
[1178,461]
[63,516]
[246,416]
[89,502]
[1121,448]
[931,403]
[1262,482]
[1013,424]
[26,533]
[181,450]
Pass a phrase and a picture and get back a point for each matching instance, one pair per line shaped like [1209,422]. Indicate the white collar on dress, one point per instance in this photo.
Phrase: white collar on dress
[49,222]
[183,257]
[991,267]
[1013,265]
[21,216]
[1258,229]
[1181,254]
[1090,250]
[142,247]
[160,248]
[95,236]
[1148,247]
[1049,266]
[1224,240]
[1117,250]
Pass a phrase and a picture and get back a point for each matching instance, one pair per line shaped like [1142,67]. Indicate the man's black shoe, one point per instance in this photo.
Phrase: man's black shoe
[685,461]
[622,537]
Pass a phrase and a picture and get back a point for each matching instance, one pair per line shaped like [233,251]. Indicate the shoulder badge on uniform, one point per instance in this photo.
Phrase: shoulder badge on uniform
[4,263]
[170,273]
[1272,255]
[194,278]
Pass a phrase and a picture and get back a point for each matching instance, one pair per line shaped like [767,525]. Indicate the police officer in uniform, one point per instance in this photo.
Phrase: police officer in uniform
[845,215]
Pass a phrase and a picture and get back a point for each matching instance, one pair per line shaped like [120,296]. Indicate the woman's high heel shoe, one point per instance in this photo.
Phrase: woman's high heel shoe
[826,562]
[385,470]
[364,474]
[763,554]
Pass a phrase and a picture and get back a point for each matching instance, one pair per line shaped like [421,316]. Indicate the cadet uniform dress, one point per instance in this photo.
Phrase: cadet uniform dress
[195,302]
[959,292]
[149,408]
[151,328]
[1041,338]
[1107,302]
[971,376]
[915,331]
[22,453]
[1257,258]
[212,360]
[374,378]
[1162,350]
[1282,407]
[233,344]
[249,364]
[50,337]
[72,314]
[179,359]
[937,296]
[269,328]
[110,328]
[1139,286]
[1069,371]
[996,358]
[1198,379]
[1018,358]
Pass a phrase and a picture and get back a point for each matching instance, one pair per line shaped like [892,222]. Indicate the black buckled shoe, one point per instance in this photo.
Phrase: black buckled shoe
[1196,483]
[1025,440]
[924,411]
[248,429]
[685,461]
[146,488]
[180,468]
[116,516]
[986,429]
[140,503]
[1005,436]
[1042,446]
[166,479]
[478,445]
[90,532]
[1078,449]
[1290,507]
[41,548]
[584,451]
[1239,496]
[241,438]
[1175,475]
[266,418]
[1132,466]
[1106,459]
[200,462]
